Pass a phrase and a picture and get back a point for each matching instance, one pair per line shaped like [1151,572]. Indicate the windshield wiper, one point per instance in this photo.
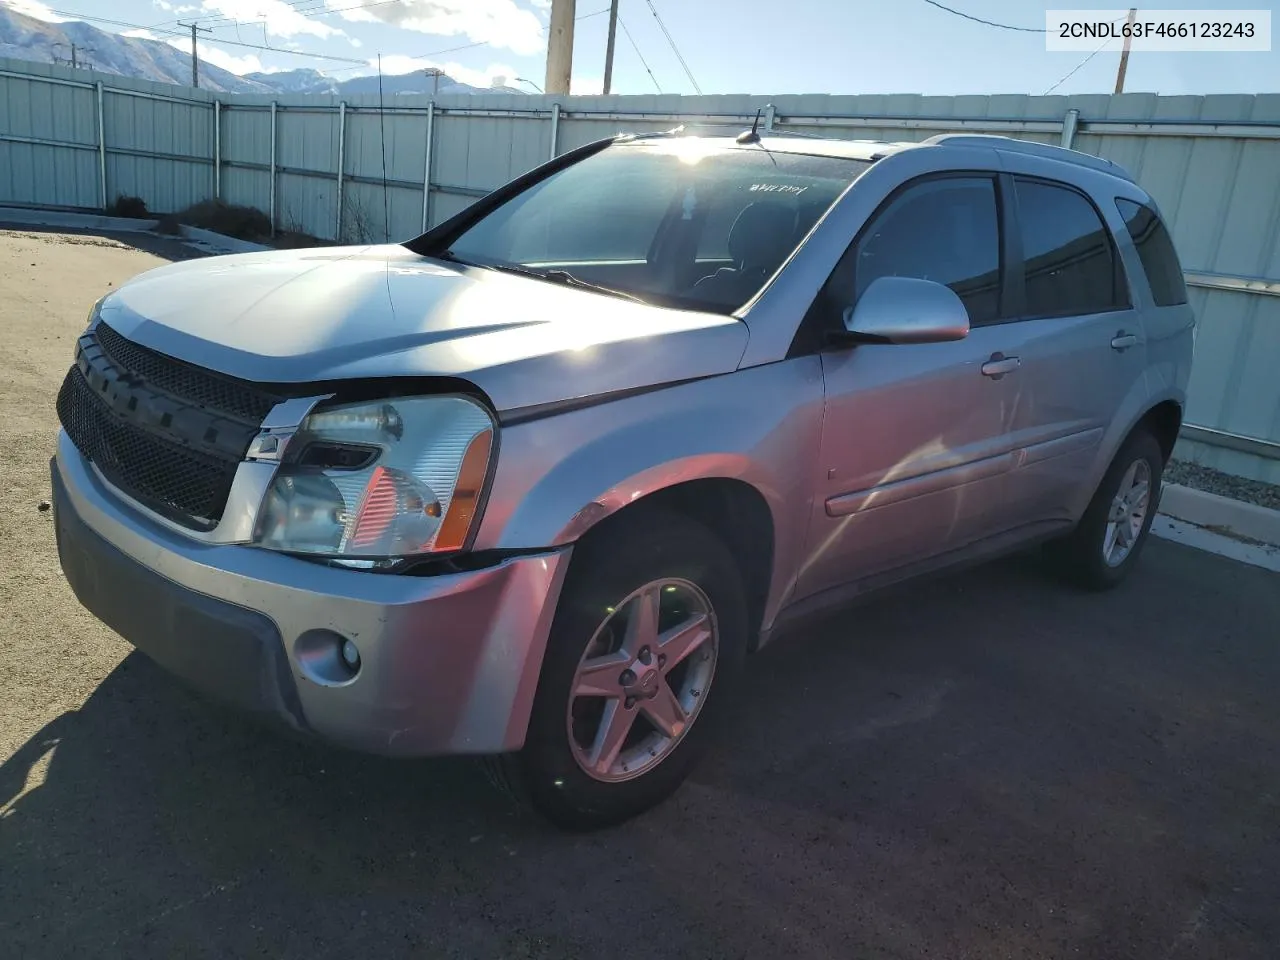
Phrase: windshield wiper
[563,277]
[569,280]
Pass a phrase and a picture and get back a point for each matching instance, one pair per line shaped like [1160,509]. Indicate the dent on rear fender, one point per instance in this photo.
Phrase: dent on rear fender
[1140,399]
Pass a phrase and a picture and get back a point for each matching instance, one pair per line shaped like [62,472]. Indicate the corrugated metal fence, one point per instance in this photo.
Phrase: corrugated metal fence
[72,139]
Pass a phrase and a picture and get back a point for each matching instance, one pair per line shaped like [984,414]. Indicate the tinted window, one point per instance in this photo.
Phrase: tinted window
[1155,248]
[1070,262]
[944,230]
[678,221]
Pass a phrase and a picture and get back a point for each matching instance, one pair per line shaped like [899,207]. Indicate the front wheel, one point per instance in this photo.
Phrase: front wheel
[647,641]
[1110,536]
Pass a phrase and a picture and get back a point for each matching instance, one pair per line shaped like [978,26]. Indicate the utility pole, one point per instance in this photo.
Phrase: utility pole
[608,50]
[1124,54]
[434,73]
[560,47]
[75,49]
[195,60]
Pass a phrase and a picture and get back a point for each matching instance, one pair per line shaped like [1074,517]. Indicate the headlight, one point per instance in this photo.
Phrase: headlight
[380,480]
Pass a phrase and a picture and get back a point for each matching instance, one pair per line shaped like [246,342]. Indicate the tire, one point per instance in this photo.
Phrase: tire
[691,566]
[1082,557]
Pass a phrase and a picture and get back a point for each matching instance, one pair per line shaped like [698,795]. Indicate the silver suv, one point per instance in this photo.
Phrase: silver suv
[534,484]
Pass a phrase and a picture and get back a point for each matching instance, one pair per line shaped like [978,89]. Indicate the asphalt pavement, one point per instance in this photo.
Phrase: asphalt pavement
[986,765]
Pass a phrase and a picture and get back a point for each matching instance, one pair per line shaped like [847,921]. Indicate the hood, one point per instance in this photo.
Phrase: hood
[345,312]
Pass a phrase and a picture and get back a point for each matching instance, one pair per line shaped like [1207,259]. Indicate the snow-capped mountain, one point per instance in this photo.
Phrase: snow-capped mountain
[307,80]
[26,38]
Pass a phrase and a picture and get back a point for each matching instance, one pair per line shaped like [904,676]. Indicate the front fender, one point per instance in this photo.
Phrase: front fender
[557,477]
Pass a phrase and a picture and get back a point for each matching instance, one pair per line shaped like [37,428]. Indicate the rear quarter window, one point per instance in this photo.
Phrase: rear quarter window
[1155,250]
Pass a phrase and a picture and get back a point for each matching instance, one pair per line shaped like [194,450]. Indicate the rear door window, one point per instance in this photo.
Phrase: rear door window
[1155,249]
[1071,267]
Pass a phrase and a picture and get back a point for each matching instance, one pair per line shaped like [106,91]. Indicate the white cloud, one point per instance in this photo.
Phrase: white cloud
[233,64]
[33,8]
[396,64]
[586,86]
[281,19]
[501,23]
[215,56]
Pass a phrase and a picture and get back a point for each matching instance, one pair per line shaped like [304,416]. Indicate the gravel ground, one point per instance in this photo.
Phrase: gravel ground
[984,766]
[1223,484]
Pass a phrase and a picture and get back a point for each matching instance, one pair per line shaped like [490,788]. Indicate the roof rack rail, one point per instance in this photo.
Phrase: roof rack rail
[1031,148]
[649,135]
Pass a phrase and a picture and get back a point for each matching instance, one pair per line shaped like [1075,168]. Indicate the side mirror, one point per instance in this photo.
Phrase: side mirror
[907,310]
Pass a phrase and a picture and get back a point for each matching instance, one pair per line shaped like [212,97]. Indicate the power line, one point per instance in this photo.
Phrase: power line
[308,14]
[989,23]
[293,4]
[671,40]
[229,43]
[623,24]
[422,56]
[359,64]
[467,46]
[1076,68]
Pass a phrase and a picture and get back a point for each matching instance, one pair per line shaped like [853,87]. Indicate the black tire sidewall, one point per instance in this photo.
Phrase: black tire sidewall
[1091,567]
[609,565]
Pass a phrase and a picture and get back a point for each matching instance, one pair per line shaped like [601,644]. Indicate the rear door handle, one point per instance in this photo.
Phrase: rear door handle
[1123,341]
[999,365]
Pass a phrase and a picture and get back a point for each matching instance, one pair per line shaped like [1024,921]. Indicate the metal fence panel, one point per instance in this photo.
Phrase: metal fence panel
[36,116]
[159,150]
[1219,187]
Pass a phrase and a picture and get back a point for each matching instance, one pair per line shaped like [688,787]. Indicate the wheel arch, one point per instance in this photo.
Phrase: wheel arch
[734,510]
[1161,414]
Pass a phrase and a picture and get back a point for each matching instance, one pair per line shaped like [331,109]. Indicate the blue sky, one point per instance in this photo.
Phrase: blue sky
[732,46]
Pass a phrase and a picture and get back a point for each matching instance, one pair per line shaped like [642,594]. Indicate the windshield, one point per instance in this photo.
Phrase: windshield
[678,222]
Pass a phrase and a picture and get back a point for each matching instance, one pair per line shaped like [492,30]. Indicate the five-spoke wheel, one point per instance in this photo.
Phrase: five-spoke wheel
[642,680]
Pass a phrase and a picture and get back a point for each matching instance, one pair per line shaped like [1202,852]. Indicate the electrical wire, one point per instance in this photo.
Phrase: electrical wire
[675,49]
[309,14]
[359,64]
[989,23]
[230,43]
[623,24]
[214,18]
[1074,69]
[467,46]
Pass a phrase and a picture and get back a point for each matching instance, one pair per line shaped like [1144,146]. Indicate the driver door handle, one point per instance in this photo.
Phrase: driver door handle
[999,365]
[1123,341]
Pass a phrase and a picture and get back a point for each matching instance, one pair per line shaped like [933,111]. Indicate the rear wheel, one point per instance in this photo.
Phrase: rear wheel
[1106,544]
[647,642]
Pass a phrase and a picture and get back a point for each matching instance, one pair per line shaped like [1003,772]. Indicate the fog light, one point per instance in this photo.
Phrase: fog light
[350,654]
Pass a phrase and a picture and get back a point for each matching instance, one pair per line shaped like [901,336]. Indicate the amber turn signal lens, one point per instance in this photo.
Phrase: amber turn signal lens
[466,494]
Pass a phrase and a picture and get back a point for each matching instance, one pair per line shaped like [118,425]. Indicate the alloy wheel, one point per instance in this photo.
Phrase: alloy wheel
[642,680]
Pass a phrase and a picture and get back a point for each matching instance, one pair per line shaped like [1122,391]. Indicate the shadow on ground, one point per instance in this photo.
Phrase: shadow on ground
[987,765]
[158,245]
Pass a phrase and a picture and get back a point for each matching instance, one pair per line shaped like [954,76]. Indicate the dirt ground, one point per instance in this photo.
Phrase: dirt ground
[985,766]
[56,653]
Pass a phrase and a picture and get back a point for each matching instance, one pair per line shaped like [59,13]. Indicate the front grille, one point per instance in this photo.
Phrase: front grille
[200,387]
[166,433]
[154,471]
